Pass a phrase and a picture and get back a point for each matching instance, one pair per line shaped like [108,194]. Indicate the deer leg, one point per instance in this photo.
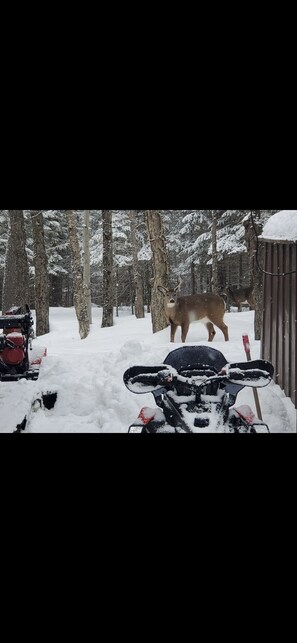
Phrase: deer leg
[173,331]
[185,329]
[211,331]
[252,302]
[224,330]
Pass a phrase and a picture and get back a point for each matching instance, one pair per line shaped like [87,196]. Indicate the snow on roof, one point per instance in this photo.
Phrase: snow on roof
[282,226]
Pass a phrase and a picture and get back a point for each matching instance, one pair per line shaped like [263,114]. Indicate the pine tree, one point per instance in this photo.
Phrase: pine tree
[41,274]
[78,282]
[107,317]
[86,263]
[3,245]
[160,267]
[16,283]
[138,282]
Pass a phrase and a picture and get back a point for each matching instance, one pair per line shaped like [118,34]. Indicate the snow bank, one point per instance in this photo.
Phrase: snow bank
[282,226]
[88,374]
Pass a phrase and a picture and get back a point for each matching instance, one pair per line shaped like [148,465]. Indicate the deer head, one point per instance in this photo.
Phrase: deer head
[170,294]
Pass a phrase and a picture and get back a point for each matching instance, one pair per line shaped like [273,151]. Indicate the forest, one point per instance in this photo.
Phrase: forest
[117,258]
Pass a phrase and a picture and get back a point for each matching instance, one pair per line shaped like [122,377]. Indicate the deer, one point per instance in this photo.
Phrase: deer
[207,308]
[240,296]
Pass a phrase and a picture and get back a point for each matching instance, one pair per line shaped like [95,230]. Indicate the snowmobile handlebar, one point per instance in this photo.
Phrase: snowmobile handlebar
[143,379]
[24,322]
[168,379]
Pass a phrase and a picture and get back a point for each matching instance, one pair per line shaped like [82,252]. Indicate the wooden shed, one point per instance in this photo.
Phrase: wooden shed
[279,332]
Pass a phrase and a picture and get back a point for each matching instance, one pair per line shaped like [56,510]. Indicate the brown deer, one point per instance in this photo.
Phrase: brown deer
[205,307]
[240,296]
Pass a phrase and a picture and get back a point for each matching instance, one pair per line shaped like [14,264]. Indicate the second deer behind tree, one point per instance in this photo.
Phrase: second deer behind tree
[182,310]
[242,296]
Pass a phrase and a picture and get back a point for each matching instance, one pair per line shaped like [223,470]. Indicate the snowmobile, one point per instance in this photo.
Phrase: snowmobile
[195,390]
[15,340]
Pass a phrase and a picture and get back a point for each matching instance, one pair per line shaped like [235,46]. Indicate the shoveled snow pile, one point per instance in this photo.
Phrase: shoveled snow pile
[282,226]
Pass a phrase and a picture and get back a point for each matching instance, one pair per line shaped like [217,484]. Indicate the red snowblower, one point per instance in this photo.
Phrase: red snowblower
[15,344]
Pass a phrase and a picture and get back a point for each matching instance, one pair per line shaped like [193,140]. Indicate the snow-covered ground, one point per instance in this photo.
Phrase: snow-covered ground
[88,374]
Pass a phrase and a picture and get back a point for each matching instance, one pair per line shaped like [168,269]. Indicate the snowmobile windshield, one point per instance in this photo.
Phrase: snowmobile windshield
[191,357]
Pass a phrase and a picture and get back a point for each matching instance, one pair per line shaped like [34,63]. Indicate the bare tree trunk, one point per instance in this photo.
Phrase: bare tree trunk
[214,280]
[16,283]
[193,278]
[255,245]
[55,290]
[78,282]
[41,275]
[139,304]
[160,267]
[148,289]
[117,290]
[131,291]
[87,266]
[107,317]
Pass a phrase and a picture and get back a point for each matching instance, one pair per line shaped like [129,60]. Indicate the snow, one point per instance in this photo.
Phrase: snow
[88,374]
[282,226]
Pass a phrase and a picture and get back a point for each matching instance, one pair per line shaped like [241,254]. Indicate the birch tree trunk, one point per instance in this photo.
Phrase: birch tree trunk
[138,284]
[107,316]
[41,276]
[87,266]
[160,267]
[78,283]
[214,278]
[16,283]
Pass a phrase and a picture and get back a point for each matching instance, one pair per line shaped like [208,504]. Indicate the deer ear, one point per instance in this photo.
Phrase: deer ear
[162,290]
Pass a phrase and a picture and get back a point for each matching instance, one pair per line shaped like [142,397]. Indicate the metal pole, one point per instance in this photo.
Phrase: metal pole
[247,348]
